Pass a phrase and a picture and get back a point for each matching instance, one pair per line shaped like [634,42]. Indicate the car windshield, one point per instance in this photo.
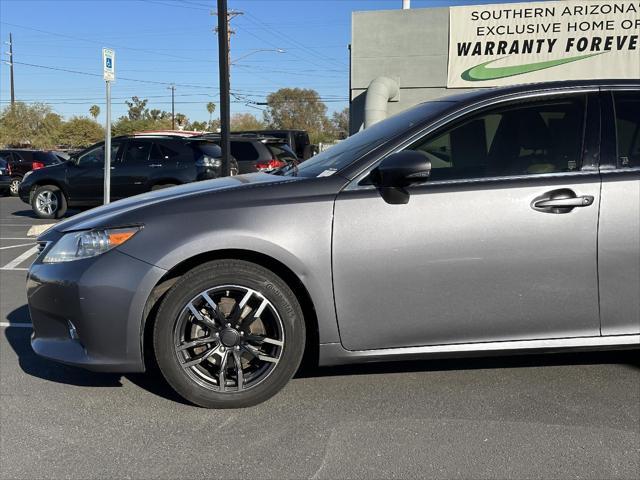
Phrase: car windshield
[353,148]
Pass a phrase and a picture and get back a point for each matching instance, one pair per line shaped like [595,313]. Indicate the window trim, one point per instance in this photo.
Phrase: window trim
[468,110]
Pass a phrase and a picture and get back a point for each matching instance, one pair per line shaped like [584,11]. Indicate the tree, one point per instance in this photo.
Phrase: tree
[211,107]
[137,109]
[94,111]
[156,114]
[340,123]
[198,126]
[80,132]
[245,121]
[139,118]
[32,125]
[297,108]
[181,120]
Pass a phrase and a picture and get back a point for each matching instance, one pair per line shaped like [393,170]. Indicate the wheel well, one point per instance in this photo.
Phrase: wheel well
[45,182]
[310,358]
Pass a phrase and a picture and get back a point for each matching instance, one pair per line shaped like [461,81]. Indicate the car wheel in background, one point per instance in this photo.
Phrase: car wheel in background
[229,334]
[48,201]
[234,169]
[14,186]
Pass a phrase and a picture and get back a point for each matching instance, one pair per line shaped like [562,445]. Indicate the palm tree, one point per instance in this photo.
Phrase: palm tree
[94,110]
[211,107]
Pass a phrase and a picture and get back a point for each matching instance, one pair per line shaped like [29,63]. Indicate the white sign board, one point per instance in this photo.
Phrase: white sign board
[505,44]
[109,64]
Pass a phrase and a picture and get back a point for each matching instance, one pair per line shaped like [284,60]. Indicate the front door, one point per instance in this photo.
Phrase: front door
[131,174]
[499,244]
[85,175]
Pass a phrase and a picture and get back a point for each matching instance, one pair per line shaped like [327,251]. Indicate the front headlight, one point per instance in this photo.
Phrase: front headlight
[90,243]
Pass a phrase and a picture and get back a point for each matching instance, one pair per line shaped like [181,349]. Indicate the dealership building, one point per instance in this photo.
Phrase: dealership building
[402,57]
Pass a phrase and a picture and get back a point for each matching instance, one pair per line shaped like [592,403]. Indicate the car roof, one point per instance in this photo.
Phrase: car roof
[489,93]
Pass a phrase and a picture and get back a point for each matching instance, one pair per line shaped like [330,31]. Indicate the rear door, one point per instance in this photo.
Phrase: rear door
[619,232]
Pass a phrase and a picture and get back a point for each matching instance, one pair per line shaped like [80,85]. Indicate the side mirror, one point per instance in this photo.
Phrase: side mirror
[398,171]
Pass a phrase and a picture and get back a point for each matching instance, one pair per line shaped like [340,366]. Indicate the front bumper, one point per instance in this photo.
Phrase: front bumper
[89,313]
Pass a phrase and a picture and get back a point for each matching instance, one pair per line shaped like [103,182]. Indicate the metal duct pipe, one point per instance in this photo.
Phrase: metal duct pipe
[406,4]
[380,91]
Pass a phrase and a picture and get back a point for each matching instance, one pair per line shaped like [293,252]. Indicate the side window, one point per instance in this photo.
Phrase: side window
[243,151]
[518,139]
[137,151]
[627,106]
[172,152]
[95,156]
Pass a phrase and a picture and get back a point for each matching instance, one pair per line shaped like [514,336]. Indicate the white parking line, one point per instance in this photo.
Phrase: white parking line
[16,325]
[16,238]
[16,246]
[18,260]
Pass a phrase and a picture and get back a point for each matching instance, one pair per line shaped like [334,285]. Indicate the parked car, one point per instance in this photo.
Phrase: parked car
[22,161]
[496,221]
[298,140]
[5,175]
[139,163]
[257,153]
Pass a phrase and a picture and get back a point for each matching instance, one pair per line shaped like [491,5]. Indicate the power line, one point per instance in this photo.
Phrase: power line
[252,18]
[123,47]
[90,74]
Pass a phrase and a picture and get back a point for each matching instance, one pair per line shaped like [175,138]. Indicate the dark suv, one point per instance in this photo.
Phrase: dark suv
[22,161]
[257,153]
[298,140]
[138,164]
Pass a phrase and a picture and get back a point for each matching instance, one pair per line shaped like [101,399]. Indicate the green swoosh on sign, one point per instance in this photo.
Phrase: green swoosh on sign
[481,73]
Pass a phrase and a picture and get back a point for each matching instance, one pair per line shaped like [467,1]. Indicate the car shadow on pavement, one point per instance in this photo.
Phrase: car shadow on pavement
[153,382]
[20,341]
[628,357]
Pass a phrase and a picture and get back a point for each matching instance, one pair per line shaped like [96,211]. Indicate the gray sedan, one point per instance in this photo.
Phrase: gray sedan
[500,221]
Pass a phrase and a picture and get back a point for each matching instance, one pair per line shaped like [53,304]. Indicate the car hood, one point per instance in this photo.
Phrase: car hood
[104,215]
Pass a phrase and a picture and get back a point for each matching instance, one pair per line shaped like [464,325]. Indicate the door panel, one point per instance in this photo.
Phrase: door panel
[85,176]
[472,265]
[474,256]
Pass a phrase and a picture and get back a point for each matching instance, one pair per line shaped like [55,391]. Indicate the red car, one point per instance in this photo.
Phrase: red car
[22,161]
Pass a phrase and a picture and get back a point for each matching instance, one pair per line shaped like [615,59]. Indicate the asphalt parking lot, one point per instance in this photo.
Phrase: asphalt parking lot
[555,416]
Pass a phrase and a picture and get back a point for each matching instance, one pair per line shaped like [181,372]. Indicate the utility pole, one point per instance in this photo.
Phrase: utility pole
[10,63]
[173,106]
[224,59]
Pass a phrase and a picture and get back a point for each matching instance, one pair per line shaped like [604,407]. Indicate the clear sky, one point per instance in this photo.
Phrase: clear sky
[159,42]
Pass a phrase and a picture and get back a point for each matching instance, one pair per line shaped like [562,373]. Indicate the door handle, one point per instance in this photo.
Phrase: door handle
[560,201]
[155,165]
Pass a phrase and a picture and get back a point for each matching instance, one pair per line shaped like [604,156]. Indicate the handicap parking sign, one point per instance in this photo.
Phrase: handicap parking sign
[108,62]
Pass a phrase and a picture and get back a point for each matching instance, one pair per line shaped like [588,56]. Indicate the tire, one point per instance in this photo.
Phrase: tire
[162,186]
[14,186]
[234,169]
[48,201]
[267,334]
